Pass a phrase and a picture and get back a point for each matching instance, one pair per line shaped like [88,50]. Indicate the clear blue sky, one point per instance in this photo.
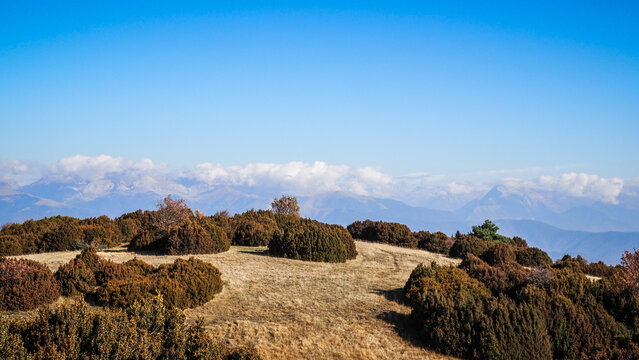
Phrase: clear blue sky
[453,87]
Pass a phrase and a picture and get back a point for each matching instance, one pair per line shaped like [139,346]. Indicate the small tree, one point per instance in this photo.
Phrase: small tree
[170,213]
[285,205]
[628,276]
[488,232]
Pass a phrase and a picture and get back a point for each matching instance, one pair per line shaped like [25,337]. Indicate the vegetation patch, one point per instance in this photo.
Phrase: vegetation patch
[183,284]
[25,284]
[311,240]
[498,309]
[384,232]
[147,330]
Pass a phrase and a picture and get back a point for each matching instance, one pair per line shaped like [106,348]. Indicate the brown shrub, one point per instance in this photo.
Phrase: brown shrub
[75,278]
[192,238]
[187,283]
[532,256]
[254,228]
[499,254]
[10,245]
[468,244]
[147,330]
[436,242]
[122,293]
[384,232]
[26,284]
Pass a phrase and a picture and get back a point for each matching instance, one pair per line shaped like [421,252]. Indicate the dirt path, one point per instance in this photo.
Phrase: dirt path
[290,309]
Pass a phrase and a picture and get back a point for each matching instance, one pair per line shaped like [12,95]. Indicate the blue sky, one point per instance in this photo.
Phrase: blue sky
[463,88]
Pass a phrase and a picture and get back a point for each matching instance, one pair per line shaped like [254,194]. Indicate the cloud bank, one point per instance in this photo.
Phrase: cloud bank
[97,176]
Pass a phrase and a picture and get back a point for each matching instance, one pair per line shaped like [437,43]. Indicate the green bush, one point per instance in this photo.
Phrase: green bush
[26,284]
[506,311]
[384,232]
[147,330]
[314,241]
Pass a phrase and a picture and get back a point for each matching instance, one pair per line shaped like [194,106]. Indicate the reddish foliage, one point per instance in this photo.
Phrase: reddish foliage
[25,284]
[628,276]
[170,213]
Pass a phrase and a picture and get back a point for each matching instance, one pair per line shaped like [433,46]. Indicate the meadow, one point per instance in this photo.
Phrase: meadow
[288,308]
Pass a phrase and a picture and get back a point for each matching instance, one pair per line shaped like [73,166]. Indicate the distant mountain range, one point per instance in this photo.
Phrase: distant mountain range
[558,224]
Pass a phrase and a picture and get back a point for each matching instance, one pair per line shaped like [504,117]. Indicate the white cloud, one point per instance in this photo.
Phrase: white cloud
[95,168]
[100,175]
[17,172]
[296,177]
[581,185]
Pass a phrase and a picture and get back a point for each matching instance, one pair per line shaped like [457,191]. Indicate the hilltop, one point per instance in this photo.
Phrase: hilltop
[298,309]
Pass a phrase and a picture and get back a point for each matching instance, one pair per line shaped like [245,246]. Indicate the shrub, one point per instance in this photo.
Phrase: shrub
[61,238]
[347,240]
[314,241]
[10,245]
[145,240]
[254,228]
[75,278]
[518,242]
[458,316]
[122,293]
[532,256]
[191,238]
[384,232]
[435,242]
[187,283]
[505,311]
[147,330]
[25,284]
[499,254]
[221,241]
[468,244]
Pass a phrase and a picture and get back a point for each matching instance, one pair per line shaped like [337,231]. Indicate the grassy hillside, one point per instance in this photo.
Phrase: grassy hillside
[297,309]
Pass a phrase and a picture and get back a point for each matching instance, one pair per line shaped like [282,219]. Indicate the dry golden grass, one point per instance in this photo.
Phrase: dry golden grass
[291,309]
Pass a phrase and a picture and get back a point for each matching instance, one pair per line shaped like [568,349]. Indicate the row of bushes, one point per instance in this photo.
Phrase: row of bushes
[147,330]
[183,284]
[481,240]
[286,235]
[60,233]
[27,284]
[494,308]
[191,236]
